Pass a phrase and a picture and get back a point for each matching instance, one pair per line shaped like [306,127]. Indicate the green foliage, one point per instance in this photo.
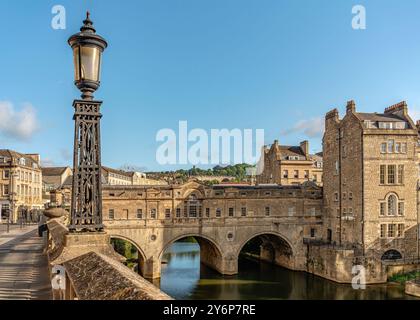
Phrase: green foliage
[404,277]
[124,248]
[188,239]
[237,171]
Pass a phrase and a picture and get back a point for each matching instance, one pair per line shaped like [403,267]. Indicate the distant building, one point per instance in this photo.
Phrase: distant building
[20,184]
[114,177]
[54,177]
[290,165]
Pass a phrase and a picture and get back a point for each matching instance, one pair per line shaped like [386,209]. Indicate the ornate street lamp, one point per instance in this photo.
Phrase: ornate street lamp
[86,205]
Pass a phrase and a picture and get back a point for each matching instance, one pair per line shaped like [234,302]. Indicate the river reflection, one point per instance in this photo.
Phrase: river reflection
[184,278]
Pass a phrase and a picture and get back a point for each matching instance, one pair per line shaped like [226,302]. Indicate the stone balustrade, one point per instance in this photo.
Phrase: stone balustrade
[92,269]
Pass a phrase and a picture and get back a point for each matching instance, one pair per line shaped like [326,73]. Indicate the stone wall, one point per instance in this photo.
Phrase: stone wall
[337,265]
[93,270]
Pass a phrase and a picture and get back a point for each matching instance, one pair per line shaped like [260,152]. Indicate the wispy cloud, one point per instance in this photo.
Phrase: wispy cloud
[311,128]
[66,154]
[17,124]
[48,163]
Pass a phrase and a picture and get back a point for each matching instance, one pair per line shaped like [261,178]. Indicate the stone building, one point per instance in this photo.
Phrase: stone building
[365,214]
[126,178]
[288,165]
[20,184]
[54,178]
[222,218]
[371,172]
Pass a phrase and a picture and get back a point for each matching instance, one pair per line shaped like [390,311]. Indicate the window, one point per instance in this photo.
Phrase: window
[312,233]
[344,196]
[207,212]
[350,195]
[397,147]
[178,212]
[400,176]
[111,214]
[153,213]
[344,211]
[231,213]
[6,174]
[291,211]
[315,178]
[404,147]
[392,205]
[400,208]
[391,230]
[167,213]
[286,174]
[383,231]
[350,211]
[311,212]
[390,146]
[336,196]
[337,167]
[382,209]
[306,174]
[6,190]
[296,174]
[193,211]
[139,213]
[391,174]
[267,193]
[267,211]
[400,230]
[243,211]
[383,147]
[382,174]
[218,213]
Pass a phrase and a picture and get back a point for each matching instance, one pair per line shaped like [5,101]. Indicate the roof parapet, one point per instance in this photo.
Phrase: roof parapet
[399,107]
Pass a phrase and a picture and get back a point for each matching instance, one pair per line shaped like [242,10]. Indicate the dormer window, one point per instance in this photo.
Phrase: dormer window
[392,125]
[22,161]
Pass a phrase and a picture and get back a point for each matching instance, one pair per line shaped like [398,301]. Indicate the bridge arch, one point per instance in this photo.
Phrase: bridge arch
[141,255]
[274,248]
[210,251]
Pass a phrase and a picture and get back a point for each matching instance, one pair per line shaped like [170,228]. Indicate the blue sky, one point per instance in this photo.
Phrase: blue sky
[272,64]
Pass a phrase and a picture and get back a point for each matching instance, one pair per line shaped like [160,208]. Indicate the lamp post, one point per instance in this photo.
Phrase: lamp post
[86,205]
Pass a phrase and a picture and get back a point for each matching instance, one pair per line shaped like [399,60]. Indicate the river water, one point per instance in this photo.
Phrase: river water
[183,277]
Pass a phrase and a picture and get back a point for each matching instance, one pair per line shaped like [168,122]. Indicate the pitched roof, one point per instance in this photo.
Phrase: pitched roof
[291,151]
[16,155]
[123,173]
[382,117]
[53,171]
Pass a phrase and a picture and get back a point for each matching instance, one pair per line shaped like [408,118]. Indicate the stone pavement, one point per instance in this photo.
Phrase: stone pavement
[23,266]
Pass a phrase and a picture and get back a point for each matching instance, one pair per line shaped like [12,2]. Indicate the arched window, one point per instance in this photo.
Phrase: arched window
[391,255]
[392,205]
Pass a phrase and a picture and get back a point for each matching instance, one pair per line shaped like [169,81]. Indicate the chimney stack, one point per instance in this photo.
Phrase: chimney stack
[304,145]
[351,107]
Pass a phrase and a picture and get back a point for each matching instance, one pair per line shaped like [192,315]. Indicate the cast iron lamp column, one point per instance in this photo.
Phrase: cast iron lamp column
[86,204]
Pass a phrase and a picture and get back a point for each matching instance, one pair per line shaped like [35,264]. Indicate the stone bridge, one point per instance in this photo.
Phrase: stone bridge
[222,220]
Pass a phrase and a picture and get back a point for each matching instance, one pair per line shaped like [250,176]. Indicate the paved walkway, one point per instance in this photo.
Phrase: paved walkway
[23,266]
